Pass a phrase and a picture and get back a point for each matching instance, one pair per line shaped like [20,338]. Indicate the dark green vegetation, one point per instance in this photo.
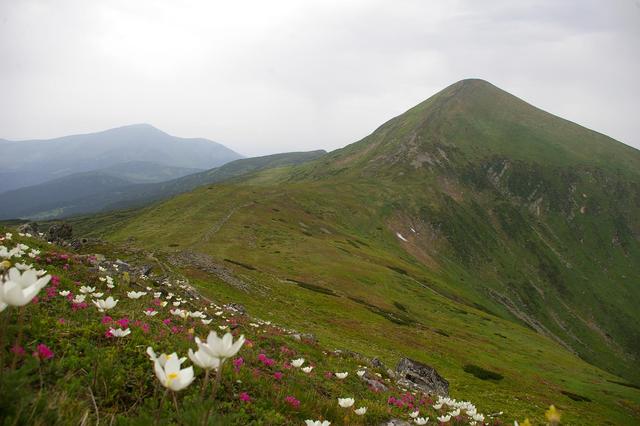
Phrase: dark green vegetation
[31,162]
[123,187]
[484,374]
[508,236]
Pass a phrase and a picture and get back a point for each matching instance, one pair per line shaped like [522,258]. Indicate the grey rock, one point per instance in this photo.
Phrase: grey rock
[237,308]
[419,376]
[60,232]
[395,422]
[374,383]
[29,228]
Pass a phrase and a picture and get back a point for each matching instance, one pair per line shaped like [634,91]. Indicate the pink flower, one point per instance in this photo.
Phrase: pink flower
[62,321]
[123,322]
[106,319]
[35,299]
[43,352]
[157,302]
[244,397]
[237,363]
[55,280]
[266,360]
[108,334]
[277,375]
[18,350]
[176,329]
[328,375]
[167,321]
[292,401]
[78,306]
[145,327]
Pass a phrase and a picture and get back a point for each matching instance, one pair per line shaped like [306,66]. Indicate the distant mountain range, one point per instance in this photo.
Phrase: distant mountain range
[30,162]
[127,185]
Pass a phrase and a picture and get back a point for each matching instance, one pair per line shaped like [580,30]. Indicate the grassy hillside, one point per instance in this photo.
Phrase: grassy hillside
[474,230]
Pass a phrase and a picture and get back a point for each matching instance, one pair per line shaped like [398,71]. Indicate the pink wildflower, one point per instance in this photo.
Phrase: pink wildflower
[18,350]
[106,319]
[43,352]
[244,397]
[292,401]
[278,375]
[237,363]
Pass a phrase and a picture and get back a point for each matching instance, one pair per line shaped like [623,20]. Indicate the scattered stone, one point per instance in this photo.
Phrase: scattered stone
[60,233]
[304,337]
[419,376]
[237,308]
[376,363]
[145,270]
[374,383]
[122,265]
[395,422]
[29,228]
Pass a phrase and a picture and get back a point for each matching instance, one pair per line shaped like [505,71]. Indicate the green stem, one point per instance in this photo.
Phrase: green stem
[14,363]
[205,383]
[160,404]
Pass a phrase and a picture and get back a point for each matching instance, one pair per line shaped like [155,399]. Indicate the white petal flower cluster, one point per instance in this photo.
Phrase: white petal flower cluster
[19,288]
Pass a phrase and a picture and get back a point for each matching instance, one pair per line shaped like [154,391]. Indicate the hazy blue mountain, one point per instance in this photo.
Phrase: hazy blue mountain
[30,162]
[113,188]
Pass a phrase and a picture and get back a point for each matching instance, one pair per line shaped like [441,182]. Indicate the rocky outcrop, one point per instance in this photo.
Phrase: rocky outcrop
[419,376]
[60,233]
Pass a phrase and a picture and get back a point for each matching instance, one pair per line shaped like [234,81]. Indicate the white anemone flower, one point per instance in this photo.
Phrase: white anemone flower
[64,293]
[414,414]
[179,313]
[346,402]
[97,295]
[136,294]
[197,314]
[342,376]
[23,266]
[203,359]
[455,413]
[163,358]
[79,298]
[170,375]
[317,422]
[20,289]
[308,369]
[105,304]
[221,347]
[206,321]
[297,362]
[444,419]
[150,313]
[421,420]
[86,289]
[118,332]
[360,411]
[360,373]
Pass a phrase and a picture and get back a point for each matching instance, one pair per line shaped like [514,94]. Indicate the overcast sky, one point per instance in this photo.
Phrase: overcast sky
[273,76]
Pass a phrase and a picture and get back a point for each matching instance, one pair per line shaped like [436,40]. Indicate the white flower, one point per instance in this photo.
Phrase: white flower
[162,359]
[179,313]
[103,279]
[87,289]
[317,422]
[342,376]
[360,411]
[136,294]
[20,289]
[297,362]
[79,298]
[437,406]
[8,235]
[203,359]
[176,303]
[444,419]
[414,414]
[157,295]
[150,313]
[34,253]
[223,347]
[478,417]
[197,314]
[219,313]
[455,413]
[23,266]
[170,375]
[206,321]
[105,304]
[96,295]
[307,369]
[360,373]
[223,327]
[101,269]
[422,420]
[64,293]
[118,332]
[346,402]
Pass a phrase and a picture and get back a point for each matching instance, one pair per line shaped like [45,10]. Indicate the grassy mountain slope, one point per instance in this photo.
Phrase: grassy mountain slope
[473,229]
[31,162]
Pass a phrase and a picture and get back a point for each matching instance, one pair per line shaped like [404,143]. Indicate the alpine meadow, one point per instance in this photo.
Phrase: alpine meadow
[474,260]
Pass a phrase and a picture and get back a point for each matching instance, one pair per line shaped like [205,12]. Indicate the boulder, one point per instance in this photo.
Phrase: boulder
[416,375]
[395,422]
[29,228]
[373,383]
[60,232]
